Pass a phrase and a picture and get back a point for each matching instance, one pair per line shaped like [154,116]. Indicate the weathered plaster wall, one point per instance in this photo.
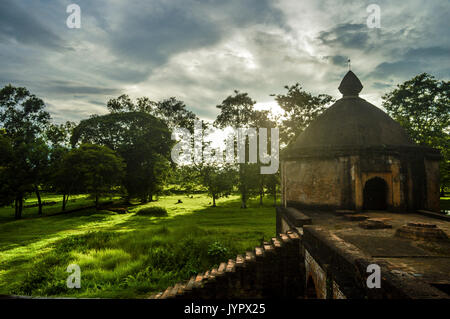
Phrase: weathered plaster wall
[339,182]
[314,182]
[432,176]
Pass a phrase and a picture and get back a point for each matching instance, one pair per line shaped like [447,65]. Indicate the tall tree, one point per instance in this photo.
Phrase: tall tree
[264,119]
[238,111]
[142,140]
[97,168]
[7,194]
[58,137]
[422,106]
[23,119]
[219,181]
[172,111]
[39,167]
[300,109]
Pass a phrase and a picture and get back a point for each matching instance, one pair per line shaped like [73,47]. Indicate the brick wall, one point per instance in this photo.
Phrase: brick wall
[269,271]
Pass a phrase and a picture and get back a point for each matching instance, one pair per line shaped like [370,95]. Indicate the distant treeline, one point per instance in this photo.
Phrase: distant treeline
[128,150]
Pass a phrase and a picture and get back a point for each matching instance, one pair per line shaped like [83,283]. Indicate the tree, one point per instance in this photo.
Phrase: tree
[422,106]
[6,173]
[58,137]
[238,111]
[172,111]
[300,109]
[142,140]
[235,111]
[38,166]
[187,178]
[95,168]
[219,181]
[23,119]
[271,182]
[264,119]
[175,114]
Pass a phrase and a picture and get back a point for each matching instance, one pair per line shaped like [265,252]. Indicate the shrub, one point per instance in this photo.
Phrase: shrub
[217,252]
[152,211]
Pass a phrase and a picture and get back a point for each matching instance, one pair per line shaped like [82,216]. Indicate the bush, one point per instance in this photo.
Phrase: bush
[217,252]
[152,211]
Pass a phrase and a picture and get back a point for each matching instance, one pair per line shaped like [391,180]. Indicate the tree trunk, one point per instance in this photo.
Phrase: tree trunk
[38,195]
[18,207]
[243,201]
[261,194]
[64,202]
[96,201]
[150,197]
[214,200]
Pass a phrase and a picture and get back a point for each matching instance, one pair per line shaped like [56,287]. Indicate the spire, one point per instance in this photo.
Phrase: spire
[350,85]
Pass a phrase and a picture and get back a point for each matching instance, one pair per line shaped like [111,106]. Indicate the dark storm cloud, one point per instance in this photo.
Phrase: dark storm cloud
[348,35]
[83,90]
[435,60]
[153,33]
[338,59]
[429,53]
[201,50]
[17,23]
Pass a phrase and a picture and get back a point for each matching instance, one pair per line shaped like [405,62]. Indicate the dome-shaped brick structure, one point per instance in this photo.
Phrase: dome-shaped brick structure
[354,156]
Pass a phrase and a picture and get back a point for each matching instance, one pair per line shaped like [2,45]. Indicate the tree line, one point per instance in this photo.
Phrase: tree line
[127,151]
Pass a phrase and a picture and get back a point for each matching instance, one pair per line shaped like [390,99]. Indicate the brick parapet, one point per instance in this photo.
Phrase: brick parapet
[268,271]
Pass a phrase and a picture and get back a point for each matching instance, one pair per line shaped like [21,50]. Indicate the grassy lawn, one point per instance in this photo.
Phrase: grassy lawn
[75,201]
[126,255]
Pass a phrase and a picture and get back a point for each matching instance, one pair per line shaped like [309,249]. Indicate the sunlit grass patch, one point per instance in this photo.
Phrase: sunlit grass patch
[127,255]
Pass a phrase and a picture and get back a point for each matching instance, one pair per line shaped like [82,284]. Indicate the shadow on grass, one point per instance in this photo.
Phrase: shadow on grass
[131,255]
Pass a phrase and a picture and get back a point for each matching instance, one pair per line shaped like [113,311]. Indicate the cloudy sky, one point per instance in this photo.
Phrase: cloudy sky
[201,50]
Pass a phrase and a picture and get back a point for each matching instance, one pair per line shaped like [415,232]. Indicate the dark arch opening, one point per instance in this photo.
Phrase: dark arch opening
[375,194]
[310,289]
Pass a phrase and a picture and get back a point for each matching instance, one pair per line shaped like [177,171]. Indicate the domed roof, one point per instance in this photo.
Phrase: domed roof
[352,122]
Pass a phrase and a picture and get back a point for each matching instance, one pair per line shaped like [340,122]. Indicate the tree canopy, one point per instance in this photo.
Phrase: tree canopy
[300,109]
[23,120]
[422,106]
[142,140]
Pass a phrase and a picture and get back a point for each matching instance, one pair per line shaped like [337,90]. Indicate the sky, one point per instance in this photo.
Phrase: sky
[200,51]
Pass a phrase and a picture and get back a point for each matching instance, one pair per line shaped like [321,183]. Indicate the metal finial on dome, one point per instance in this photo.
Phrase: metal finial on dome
[350,85]
[349,65]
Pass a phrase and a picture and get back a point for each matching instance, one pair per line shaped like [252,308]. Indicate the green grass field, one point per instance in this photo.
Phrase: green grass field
[75,201]
[125,255]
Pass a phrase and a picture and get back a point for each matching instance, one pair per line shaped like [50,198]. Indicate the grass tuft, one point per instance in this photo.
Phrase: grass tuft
[153,211]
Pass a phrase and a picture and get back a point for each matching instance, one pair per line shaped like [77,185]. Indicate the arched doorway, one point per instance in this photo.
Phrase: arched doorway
[311,292]
[375,194]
